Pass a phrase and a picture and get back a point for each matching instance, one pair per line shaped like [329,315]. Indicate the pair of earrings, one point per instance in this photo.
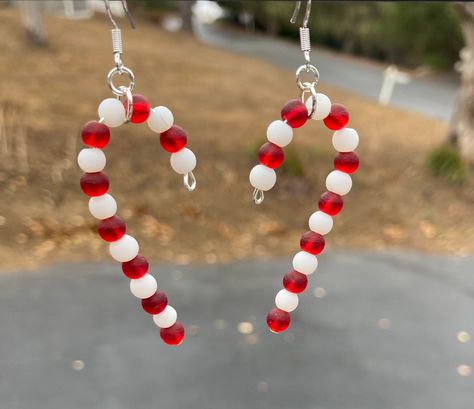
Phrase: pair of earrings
[127,107]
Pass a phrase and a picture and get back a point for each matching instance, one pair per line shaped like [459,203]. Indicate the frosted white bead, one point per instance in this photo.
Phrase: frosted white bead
[320,222]
[323,106]
[183,161]
[279,133]
[124,249]
[262,177]
[91,160]
[339,182]
[102,207]
[166,318]
[143,287]
[160,120]
[345,140]
[113,112]
[286,301]
[305,262]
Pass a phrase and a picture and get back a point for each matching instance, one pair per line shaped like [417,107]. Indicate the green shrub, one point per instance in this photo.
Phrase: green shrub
[446,162]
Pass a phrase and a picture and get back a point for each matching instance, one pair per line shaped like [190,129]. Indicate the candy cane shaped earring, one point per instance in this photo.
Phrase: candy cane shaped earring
[294,114]
[114,112]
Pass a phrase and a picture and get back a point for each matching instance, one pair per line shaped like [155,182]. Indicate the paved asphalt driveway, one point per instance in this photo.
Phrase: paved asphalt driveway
[434,97]
[382,334]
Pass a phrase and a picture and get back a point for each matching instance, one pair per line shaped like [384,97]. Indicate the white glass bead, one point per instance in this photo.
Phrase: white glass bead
[339,182]
[305,263]
[143,287]
[279,133]
[166,318]
[345,140]
[102,207]
[160,120]
[286,301]
[113,112]
[124,249]
[320,222]
[91,160]
[323,106]
[262,177]
[183,161]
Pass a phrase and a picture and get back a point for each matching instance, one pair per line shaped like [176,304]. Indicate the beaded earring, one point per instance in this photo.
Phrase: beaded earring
[113,112]
[295,114]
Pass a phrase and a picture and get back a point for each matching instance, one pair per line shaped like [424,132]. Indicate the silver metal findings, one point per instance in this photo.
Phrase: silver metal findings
[305,42]
[307,70]
[120,91]
[190,181]
[117,50]
[117,46]
[258,196]
[125,8]
[312,91]
[307,13]
[129,98]
[305,37]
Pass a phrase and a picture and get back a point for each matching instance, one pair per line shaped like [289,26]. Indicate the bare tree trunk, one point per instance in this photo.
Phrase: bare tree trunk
[187,14]
[32,13]
[461,133]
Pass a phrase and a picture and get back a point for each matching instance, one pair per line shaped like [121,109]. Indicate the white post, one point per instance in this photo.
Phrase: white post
[391,76]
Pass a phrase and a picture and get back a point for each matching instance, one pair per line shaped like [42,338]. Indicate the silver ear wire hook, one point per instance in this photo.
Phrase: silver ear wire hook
[307,68]
[307,14]
[117,49]
[127,13]
[305,37]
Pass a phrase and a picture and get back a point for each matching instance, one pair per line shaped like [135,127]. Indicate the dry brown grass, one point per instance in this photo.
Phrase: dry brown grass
[225,101]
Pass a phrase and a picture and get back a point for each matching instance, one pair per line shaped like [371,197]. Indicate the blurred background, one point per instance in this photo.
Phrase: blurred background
[386,322]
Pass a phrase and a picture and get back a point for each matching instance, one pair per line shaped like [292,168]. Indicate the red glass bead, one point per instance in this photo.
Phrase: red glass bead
[94,184]
[278,320]
[271,155]
[330,203]
[337,118]
[135,268]
[294,113]
[141,109]
[295,282]
[112,229]
[347,162]
[312,242]
[174,139]
[95,134]
[173,335]
[156,303]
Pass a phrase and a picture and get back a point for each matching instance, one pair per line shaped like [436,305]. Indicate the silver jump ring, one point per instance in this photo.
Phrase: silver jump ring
[312,90]
[119,91]
[307,68]
[129,98]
